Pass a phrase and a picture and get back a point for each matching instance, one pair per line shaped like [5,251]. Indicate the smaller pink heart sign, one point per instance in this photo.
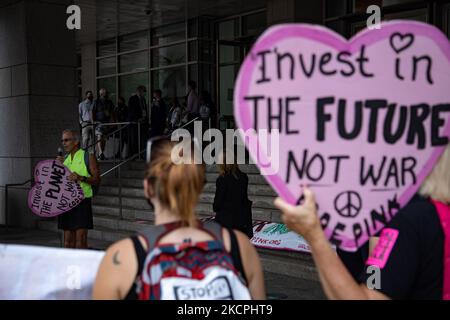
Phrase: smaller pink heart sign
[361,121]
[53,194]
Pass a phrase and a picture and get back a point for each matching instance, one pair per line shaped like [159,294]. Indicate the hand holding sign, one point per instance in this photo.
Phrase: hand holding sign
[53,193]
[361,121]
[302,219]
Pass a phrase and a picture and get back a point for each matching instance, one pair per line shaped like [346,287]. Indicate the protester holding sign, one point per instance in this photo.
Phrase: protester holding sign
[363,122]
[180,257]
[412,257]
[78,220]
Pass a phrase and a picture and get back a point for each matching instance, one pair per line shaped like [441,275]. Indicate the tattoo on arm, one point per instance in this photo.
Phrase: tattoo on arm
[116,258]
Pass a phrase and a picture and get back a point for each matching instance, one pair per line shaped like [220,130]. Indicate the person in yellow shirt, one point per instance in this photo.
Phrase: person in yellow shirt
[77,221]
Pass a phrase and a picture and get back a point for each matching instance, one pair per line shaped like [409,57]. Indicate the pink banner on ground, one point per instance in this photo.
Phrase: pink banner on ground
[277,236]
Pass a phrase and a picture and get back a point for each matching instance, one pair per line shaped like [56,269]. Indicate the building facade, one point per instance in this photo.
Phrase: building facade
[45,68]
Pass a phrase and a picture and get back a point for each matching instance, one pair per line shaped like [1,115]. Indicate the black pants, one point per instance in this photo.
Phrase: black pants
[79,217]
[133,138]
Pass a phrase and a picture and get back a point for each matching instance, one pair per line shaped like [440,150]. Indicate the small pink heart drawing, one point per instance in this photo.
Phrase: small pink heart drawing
[53,194]
[400,42]
[361,121]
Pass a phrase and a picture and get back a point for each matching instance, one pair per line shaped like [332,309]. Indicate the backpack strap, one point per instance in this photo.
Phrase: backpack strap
[141,254]
[214,229]
[236,254]
[443,211]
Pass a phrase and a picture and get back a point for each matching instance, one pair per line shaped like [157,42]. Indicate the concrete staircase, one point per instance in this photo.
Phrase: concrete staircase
[137,216]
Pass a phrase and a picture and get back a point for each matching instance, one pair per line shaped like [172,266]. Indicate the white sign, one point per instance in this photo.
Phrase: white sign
[41,273]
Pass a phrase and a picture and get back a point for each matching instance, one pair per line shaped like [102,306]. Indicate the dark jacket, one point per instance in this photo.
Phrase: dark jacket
[103,110]
[231,204]
[158,118]
[135,109]
[121,111]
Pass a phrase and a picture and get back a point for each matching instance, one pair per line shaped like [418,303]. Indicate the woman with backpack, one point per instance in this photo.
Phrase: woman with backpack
[179,257]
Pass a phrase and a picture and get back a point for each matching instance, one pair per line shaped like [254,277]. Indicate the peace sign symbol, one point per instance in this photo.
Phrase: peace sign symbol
[348,204]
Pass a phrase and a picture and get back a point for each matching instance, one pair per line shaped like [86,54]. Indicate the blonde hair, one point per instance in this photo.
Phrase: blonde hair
[177,186]
[437,184]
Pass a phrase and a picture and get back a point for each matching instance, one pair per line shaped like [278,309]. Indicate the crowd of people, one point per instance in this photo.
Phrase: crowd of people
[99,118]
[181,257]
[157,263]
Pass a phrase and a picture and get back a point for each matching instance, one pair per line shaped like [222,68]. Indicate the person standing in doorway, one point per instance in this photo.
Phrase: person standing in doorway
[86,122]
[138,112]
[174,116]
[121,113]
[158,114]
[76,222]
[193,104]
[102,112]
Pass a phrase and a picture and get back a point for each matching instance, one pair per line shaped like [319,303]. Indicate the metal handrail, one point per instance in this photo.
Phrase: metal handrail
[109,123]
[142,152]
[7,186]
[126,124]
[122,163]
[118,167]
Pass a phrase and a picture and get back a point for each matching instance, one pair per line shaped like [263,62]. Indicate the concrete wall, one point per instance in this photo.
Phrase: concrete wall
[89,67]
[38,96]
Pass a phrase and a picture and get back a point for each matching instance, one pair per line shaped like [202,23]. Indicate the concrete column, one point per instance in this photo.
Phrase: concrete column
[89,68]
[38,97]
[87,40]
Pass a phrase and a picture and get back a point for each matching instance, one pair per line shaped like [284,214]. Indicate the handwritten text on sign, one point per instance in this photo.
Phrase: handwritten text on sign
[361,121]
[53,193]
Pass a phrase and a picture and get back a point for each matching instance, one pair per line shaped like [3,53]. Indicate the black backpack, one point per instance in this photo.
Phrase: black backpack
[95,188]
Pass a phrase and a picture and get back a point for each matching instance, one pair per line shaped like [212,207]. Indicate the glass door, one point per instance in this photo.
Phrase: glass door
[230,55]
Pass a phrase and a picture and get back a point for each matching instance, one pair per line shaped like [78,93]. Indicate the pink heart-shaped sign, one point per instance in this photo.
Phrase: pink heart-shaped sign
[52,193]
[361,121]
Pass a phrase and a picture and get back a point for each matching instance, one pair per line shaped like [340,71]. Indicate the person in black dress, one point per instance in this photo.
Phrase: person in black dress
[231,203]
